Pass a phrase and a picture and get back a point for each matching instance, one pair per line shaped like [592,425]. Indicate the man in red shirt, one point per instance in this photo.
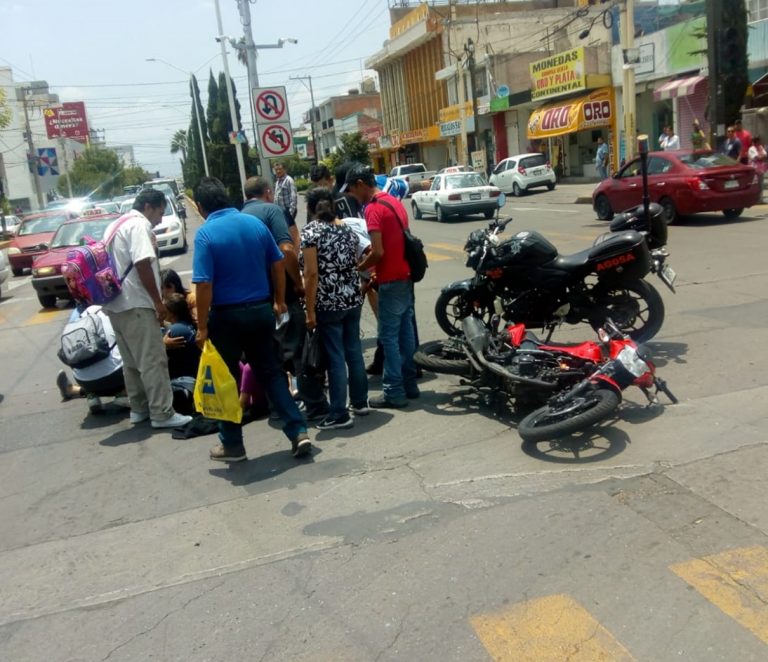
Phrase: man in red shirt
[386,219]
[746,141]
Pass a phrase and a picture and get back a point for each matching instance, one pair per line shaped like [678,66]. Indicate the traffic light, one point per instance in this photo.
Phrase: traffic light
[732,51]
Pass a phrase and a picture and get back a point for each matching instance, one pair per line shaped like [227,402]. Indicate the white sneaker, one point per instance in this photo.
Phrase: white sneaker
[138,417]
[122,401]
[175,421]
[94,404]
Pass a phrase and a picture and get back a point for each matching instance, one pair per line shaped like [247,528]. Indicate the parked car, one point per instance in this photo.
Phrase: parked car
[519,174]
[682,182]
[5,268]
[413,173]
[33,236]
[171,232]
[103,207]
[458,194]
[449,170]
[12,223]
[46,269]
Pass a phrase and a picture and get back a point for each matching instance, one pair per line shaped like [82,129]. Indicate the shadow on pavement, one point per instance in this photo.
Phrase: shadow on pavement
[132,435]
[663,352]
[595,445]
[362,425]
[262,467]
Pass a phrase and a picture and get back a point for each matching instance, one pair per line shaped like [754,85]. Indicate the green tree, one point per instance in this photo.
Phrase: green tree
[179,144]
[97,172]
[353,148]
[733,57]
[134,176]
[5,111]
[194,168]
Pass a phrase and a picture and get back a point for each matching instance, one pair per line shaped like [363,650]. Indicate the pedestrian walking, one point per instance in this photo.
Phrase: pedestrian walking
[137,312]
[286,195]
[601,158]
[331,251]
[732,145]
[387,219]
[239,275]
[758,159]
[745,138]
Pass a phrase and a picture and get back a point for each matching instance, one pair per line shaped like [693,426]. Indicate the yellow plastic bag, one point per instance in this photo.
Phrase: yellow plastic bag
[216,394]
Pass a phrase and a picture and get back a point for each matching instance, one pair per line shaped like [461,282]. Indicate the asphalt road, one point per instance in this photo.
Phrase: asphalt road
[422,534]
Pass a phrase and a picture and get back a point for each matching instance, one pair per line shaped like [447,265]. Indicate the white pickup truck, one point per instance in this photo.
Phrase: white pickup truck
[416,174]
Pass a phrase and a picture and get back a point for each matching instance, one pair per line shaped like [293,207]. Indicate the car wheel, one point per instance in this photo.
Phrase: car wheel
[440,214]
[551,186]
[47,300]
[603,208]
[488,213]
[669,213]
[416,211]
[18,272]
[516,190]
[733,213]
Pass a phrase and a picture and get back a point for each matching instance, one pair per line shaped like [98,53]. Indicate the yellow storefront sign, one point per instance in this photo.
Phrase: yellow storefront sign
[558,74]
[452,113]
[593,111]
[424,135]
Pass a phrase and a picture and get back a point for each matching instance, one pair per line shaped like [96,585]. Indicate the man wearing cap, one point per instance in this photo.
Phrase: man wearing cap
[386,219]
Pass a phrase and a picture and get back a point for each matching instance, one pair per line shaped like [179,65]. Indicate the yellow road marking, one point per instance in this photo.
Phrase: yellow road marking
[736,582]
[45,316]
[548,629]
[453,248]
[437,257]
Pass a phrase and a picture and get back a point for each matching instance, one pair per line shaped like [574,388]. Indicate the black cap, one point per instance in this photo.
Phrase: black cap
[358,171]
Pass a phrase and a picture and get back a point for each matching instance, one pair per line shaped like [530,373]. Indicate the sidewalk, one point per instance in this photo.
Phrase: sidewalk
[572,193]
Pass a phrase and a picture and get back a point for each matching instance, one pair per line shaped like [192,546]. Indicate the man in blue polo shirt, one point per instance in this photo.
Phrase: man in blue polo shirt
[235,260]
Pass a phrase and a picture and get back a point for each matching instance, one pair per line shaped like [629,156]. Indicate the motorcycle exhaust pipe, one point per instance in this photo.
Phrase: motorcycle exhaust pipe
[500,371]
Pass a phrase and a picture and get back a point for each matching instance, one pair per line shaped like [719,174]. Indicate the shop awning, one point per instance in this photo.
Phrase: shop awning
[592,111]
[680,87]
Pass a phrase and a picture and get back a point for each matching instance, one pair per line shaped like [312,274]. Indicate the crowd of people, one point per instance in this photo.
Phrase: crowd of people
[272,299]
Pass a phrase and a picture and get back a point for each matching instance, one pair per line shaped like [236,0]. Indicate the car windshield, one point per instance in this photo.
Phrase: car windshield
[410,169]
[43,224]
[704,160]
[533,161]
[71,234]
[467,180]
[168,208]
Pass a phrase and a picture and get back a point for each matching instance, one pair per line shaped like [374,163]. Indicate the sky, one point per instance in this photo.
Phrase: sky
[96,52]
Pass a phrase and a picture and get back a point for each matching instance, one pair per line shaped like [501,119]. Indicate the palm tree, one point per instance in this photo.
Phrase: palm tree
[179,144]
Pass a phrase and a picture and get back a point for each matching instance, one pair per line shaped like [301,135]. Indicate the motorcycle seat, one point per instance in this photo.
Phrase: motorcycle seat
[573,262]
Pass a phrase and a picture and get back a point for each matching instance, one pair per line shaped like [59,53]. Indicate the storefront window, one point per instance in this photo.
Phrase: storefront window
[758,10]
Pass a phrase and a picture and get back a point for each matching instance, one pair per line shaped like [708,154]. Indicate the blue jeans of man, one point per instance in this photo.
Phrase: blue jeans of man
[249,329]
[340,334]
[397,337]
[602,172]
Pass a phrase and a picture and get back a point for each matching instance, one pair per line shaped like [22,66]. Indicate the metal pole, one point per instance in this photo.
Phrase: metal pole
[253,78]
[231,98]
[715,84]
[199,126]
[471,62]
[31,147]
[312,110]
[628,78]
[63,145]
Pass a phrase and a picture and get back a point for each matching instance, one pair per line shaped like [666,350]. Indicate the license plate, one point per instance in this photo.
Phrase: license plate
[474,196]
[668,275]
[538,171]
[731,183]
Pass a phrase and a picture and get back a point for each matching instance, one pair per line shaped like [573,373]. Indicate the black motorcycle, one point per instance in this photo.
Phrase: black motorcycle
[525,280]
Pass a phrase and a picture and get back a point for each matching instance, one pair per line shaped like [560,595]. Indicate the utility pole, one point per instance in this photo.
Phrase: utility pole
[32,158]
[231,98]
[716,112]
[311,111]
[65,158]
[628,77]
[470,51]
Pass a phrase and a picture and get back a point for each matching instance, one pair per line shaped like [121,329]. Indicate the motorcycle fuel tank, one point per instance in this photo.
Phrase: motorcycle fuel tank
[525,248]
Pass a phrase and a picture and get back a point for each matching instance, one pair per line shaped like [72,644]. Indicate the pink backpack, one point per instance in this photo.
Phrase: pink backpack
[91,273]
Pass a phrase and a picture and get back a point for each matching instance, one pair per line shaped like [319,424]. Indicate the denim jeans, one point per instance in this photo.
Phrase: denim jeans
[249,330]
[396,334]
[340,334]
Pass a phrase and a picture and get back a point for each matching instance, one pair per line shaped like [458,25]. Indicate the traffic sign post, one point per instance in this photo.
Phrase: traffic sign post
[276,139]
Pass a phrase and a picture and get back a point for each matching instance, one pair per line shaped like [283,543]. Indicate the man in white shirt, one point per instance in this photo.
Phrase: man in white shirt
[137,312]
[670,142]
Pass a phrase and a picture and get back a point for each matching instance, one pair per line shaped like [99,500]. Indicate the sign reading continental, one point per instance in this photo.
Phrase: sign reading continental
[593,111]
[558,74]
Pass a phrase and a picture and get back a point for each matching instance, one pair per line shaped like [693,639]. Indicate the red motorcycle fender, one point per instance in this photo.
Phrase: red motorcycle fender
[603,381]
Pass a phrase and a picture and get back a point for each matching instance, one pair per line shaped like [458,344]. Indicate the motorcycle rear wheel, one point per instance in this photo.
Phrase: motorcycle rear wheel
[452,306]
[555,421]
[438,356]
[635,307]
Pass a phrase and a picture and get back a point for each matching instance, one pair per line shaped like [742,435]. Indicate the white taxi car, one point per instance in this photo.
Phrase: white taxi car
[459,194]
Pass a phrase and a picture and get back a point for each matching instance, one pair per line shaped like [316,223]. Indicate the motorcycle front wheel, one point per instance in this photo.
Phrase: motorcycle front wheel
[559,420]
[438,356]
[635,307]
[453,305]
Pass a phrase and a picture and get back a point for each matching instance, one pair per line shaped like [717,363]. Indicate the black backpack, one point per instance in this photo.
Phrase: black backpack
[414,248]
[84,342]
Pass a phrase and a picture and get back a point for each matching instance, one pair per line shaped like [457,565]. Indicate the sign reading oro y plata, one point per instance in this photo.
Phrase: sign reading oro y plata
[558,74]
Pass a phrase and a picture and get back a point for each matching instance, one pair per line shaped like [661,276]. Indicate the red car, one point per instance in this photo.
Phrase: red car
[32,238]
[46,269]
[682,182]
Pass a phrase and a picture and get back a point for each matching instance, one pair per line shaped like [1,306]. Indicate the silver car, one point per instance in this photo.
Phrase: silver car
[518,174]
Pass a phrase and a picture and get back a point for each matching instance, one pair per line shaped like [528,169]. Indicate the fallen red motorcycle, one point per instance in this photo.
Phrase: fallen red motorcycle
[598,395]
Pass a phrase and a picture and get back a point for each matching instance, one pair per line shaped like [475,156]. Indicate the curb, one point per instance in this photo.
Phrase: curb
[584,200]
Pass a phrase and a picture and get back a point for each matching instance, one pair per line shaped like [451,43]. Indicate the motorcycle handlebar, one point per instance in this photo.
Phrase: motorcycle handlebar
[500,223]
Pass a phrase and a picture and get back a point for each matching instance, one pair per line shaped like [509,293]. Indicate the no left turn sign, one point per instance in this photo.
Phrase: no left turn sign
[276,139]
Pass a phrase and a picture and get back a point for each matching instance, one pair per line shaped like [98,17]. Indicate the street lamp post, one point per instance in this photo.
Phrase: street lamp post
[194,105]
